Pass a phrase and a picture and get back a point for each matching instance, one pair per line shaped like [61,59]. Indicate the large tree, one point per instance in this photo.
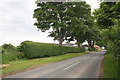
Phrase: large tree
[51,15]
[67,19]
[80,23]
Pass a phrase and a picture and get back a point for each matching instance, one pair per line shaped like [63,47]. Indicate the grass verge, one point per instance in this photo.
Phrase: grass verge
[17,66]
[109,67]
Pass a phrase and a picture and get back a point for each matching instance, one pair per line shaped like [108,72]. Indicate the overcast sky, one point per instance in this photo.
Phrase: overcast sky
[16,22]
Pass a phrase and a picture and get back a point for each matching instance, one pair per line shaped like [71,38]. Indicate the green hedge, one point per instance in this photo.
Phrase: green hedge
[91,49]
[36,50]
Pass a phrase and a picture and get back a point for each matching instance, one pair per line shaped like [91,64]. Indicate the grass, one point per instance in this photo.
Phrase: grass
[109,67]
[25,64]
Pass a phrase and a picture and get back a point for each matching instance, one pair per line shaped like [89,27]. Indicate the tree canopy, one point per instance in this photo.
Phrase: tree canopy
[67,19]
[105,14]
[108,19]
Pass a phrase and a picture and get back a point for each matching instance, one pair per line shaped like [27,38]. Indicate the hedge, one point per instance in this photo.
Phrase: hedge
[91,49]
[37,50]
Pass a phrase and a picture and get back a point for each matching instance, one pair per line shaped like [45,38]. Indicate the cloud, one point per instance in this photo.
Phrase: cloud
[16,23]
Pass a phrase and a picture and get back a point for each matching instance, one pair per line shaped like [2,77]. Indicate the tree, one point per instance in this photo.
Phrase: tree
[108,20]
[110,33]
[69,19]
[80,22]
[92,35]
[114,39]
[104,14]
[51,15]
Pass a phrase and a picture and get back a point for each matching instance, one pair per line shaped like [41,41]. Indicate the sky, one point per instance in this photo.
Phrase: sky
[16,22]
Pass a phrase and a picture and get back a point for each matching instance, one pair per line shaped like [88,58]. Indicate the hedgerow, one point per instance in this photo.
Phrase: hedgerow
[29,49]
[91,49]
[37,50]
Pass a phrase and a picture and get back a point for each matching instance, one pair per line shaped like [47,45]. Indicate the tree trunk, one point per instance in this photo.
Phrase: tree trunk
[60,40]
[61,36]
[78,42]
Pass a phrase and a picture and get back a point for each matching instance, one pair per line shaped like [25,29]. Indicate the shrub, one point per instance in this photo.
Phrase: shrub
[35,49]
[10,53]
[91,49]
[8,47]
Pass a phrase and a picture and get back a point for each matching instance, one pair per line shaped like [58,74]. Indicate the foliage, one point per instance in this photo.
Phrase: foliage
[105,14]
[8,47]
[80,23]
[111,39]
[10,53]
[51,15]
[91,49]
[36,50]
[108,20]
[109,25]
[68,20]
[29,49]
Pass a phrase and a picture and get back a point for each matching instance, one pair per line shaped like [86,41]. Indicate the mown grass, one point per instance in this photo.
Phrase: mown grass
[110,67]
[25,64]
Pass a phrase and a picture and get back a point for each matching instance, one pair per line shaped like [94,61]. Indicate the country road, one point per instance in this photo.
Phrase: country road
[85,66]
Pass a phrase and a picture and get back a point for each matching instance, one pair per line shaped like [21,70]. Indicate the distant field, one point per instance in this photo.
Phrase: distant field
[17,66]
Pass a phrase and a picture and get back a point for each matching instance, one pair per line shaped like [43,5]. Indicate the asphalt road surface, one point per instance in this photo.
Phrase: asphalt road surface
[85,66]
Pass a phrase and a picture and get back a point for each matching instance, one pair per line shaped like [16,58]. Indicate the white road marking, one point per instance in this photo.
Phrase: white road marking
[70,66]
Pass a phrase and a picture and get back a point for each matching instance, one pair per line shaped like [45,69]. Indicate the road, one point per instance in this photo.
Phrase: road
[85,66]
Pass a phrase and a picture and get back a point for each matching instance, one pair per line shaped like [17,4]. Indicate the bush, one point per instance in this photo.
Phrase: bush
[36,50]
[8,47]
[10,53]
[91,49]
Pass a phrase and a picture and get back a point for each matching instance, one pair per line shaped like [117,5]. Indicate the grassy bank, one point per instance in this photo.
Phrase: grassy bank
[16,66]
[109,67]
